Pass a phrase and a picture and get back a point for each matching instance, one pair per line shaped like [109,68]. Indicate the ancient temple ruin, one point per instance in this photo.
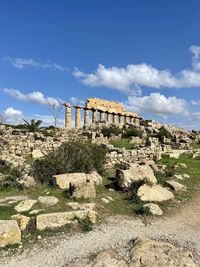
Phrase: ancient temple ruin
[103,111]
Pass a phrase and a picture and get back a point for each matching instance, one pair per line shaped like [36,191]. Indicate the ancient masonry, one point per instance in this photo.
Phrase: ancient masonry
[103,111]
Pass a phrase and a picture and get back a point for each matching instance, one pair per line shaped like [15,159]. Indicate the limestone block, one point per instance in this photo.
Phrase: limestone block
[25,205]
[146,253]
[86,191]
[154,209]
[22,221]
[135,173]
[37,154]
[94,178]
[58,219]
[154,193]
[48,200]
[9,233]
[177,187]
[63,181]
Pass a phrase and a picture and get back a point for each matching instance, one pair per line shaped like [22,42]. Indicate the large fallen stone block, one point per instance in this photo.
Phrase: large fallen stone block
[94,178]
[48,200]
[63,181]
[177,187]
[86,191]
[153,209]
[150,253]
[155,193]
[22,221]
[25,205]
[58,219]
[134,173]
[9,232]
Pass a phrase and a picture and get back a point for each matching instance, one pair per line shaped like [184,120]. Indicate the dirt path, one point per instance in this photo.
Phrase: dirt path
[181,228]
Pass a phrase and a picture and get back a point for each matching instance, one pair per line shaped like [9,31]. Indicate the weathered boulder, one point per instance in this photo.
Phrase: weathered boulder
[153,209]
[63,181]
[135,173]
[22,221]
[58,219]
[109,258]
[9,233]
[48,200]
[79,206]
[94,178]
[105,258]
[154,193]
[37,154]
[25,205]
[12,199]
[175,186]
[178,176]
[86,191]
[149,253]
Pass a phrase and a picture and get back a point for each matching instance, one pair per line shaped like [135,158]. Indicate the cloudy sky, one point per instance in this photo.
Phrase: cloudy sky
[145,54]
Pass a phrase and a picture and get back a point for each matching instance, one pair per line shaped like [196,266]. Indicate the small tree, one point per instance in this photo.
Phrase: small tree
[33,126]
[55,110]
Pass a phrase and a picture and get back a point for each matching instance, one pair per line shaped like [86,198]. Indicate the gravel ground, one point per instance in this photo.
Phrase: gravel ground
[182,229]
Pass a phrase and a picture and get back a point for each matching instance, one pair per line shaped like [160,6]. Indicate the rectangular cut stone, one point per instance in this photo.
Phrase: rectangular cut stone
[9,232]
[58,219]
[63,181]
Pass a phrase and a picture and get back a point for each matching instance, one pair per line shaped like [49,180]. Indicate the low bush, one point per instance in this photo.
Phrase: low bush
[72,156]
[108,131]
[132,131]
[163,133]
[11,176]
[85,224]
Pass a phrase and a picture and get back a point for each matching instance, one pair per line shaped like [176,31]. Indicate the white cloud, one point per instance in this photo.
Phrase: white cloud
[76,101]
[21,63]
[128,78]
[34,97]
[195,102]
[157,104]
[13,116]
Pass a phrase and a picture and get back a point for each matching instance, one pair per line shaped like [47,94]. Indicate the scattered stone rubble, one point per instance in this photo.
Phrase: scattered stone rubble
[142,253]
[17,147]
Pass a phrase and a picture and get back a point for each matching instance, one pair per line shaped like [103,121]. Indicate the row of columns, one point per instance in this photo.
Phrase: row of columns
[110,118]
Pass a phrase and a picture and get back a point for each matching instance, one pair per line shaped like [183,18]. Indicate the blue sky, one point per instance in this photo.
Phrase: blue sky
[145,54]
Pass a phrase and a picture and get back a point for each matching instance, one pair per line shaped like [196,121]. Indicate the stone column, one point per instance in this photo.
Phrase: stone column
[121,119]
[114,118]
[137,122]
[109,117]
[86,117]
[78,117]
[94,116]
[67,116]
[102,115]
[132,120]
[126,119]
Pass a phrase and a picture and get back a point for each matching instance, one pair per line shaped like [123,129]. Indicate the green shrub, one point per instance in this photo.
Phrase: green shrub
[85,224]
[108,131]
[12,174]
[133,190]
[72,156]
[141,210]
[132,131]
[163,133]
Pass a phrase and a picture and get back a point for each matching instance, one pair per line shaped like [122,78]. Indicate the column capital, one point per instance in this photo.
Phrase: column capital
[67,105]
[78,107]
